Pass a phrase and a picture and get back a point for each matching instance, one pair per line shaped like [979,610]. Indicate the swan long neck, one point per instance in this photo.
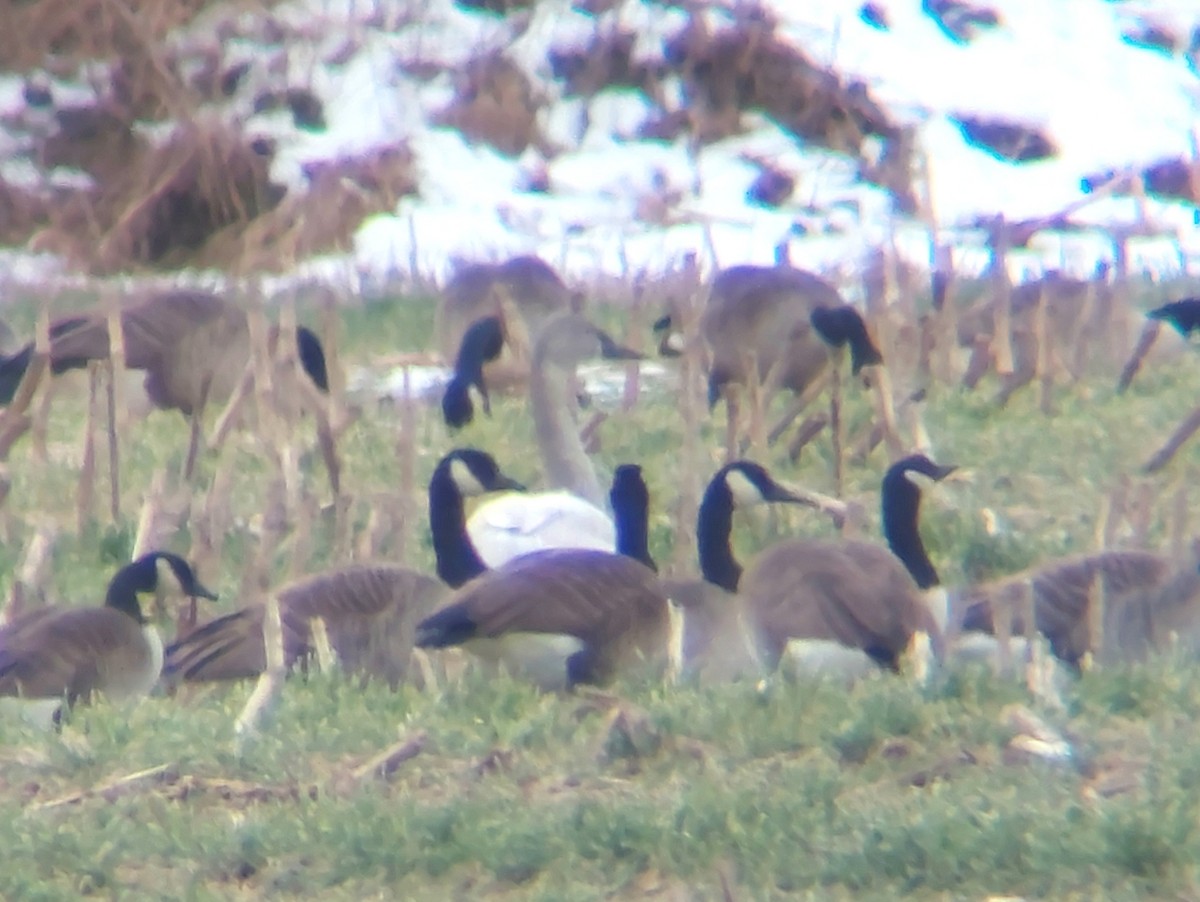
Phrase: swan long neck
[714,525]
[457,560]
[563,456]
[901,511]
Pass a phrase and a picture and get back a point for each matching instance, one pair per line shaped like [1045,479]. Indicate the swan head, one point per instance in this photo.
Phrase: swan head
[567,340]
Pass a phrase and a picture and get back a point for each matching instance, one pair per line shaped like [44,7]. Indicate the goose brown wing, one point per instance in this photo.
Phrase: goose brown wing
[592,595]
[73,652]
[823,590]
[369,611]
[149,326]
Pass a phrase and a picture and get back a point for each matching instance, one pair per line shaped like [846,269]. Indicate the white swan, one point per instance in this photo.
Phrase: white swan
[571,516]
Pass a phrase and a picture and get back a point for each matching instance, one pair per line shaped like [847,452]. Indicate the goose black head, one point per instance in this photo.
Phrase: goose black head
[842,325]
[742,483]
[749,484]
[153,572]
[1182,315]
[312,357]
[670,342]
[475,472]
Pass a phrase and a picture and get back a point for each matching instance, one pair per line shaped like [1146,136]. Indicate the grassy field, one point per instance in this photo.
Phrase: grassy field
[642,791]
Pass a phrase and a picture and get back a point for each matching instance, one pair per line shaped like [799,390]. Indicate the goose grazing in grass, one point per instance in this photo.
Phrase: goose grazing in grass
[815,598]
[368,610]
[565,616]
[523,291]
[1151,605]
[572,517]
[765,315]
[54,654]
[481,343]
[717,644]
[192,345]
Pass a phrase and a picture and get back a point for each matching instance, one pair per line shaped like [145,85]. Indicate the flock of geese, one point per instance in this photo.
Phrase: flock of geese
[559,586]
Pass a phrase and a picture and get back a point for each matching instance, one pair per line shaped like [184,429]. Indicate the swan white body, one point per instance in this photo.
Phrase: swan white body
[515,523]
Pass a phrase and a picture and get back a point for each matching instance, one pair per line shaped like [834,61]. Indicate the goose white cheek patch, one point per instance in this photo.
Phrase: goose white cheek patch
[745,493]
[464,479]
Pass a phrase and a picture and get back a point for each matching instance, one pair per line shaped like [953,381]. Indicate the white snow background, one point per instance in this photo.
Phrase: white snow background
[1060,64]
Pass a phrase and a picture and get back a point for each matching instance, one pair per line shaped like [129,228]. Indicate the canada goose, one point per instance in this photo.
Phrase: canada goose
[1074,321]
[477,290]
[783,322]
[573,517]
[716,641]
[192,345]
[368,609]
[56,653]
[481,343]
[1147,597]
[566,615]
[854,594]
[768,312]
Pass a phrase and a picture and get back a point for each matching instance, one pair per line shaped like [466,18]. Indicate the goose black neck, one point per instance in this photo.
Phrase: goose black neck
[481,342]
[123,588]
[457,560]
[632,518]
[901,510]
[714,525]
[12,371]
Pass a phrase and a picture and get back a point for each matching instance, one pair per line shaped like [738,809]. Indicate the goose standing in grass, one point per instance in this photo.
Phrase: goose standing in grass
[368,610]
[764,315]
[1151,605]
[717,643]
[571,517]
[54,654]
[192,345]
[524,289]
[817,598]
[567,615]
[481,344]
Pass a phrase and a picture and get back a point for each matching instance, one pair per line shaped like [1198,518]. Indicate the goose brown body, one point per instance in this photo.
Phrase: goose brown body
[369,612]
[610,607]
[76,652]
[766,311]
[1141,589]
[852,593]
[58,653]
[473,292]
[192,345]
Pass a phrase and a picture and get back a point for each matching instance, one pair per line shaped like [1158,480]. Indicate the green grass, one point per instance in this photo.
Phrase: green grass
[786,790]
